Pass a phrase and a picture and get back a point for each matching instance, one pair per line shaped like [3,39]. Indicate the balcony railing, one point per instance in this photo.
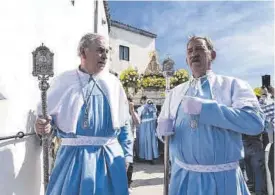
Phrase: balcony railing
[19,135]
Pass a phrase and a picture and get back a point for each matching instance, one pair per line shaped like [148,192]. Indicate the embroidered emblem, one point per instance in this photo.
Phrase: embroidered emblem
[193,124]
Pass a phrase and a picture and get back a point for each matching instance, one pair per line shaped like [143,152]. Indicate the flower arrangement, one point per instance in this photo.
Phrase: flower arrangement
[130,78]
[180,76]
[153,81]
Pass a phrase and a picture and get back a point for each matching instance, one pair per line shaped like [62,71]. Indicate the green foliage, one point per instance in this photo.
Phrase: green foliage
[130,78]
[155,81]
[180,76]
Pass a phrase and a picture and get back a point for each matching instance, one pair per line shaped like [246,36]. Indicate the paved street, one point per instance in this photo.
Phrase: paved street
[148,179]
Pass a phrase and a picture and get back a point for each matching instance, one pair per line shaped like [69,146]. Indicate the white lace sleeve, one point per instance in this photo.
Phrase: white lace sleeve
[243,95]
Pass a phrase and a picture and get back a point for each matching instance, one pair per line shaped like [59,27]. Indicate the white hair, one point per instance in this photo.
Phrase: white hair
[209,42]
[87,41]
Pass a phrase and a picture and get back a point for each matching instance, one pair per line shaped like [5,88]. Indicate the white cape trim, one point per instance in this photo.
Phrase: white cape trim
[65,99]
[225,90]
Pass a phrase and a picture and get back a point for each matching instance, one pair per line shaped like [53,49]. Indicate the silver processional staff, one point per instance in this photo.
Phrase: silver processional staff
[168,71]
[43,69]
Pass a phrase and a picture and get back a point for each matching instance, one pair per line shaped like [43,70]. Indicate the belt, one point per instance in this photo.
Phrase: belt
[149,119]
[88,141]
[208,168]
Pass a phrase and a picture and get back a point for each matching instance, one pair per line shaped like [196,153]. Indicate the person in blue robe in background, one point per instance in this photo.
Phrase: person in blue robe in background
[148,142]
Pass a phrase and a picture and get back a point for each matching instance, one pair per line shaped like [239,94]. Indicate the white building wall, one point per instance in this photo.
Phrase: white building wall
[24,25]
[139,48]
[102,20]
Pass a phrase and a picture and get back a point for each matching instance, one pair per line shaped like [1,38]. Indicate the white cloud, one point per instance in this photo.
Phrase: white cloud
[243,34]
[247,50]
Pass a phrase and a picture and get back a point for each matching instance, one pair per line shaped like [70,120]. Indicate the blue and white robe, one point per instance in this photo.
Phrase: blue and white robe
[148,144]
[89,169]
[216,139]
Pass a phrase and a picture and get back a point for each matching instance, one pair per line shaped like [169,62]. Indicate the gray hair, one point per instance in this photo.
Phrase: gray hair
[87,41]
[208,41]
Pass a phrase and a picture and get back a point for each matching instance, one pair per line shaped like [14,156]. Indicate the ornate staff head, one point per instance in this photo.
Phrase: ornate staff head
[168,67]
[43,69]
[43,65]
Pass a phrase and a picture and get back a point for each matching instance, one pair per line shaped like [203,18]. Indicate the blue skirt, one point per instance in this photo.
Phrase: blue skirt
[89,170]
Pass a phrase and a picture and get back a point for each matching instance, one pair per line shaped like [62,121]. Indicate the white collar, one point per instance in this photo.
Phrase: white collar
[85,76]
[208,74]
[67,109]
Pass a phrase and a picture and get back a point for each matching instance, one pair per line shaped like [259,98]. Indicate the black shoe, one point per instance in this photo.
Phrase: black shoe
[136,159]
[250,187]
[153,162]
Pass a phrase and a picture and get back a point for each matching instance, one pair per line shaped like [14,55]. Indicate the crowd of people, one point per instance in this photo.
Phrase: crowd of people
[212,120]
[253,165]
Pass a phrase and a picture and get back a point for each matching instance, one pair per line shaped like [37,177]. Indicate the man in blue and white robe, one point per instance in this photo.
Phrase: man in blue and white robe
[148,142]
[90,114]
[206,117]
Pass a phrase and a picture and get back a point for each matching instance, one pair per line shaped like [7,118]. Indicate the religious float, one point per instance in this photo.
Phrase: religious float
[152,83]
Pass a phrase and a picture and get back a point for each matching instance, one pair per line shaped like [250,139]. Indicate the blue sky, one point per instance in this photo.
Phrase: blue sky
[242,32]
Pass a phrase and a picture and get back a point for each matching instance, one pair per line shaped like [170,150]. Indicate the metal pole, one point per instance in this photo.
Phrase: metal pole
[44,86]
[96,16]
[166,148]
[19,135]
[43,69]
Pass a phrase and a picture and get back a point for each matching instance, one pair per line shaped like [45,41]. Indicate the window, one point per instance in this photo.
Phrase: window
[123,53]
